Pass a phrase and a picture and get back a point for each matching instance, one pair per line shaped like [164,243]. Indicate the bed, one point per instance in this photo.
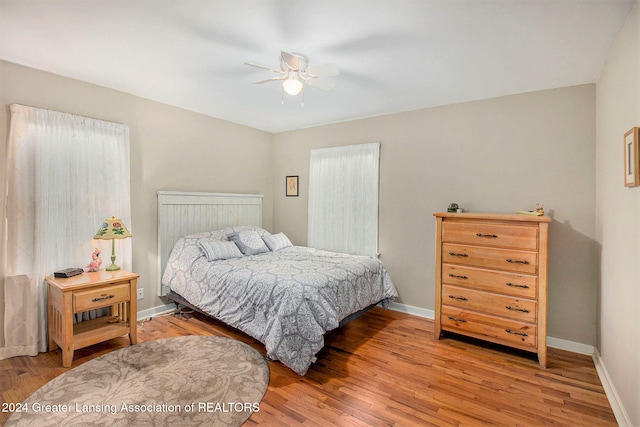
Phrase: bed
[285,296]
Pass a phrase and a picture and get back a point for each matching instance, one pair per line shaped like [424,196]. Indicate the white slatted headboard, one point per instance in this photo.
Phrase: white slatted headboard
[182,213]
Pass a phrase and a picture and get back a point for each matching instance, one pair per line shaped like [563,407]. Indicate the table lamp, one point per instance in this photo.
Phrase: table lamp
[112,229]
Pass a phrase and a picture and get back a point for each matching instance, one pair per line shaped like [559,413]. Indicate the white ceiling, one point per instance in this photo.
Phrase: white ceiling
[394,55]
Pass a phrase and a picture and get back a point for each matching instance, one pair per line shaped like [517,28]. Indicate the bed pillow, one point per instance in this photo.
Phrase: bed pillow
[238,228]
[248,241]
[275,242]
[218,249]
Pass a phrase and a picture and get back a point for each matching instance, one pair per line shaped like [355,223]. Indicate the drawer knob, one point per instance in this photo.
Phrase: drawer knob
[516,261]
[457,277]
[459,298]
[493,236]
[455,319]
[103,298]
[516,333]
[460,255]
[514,285]
[524,310]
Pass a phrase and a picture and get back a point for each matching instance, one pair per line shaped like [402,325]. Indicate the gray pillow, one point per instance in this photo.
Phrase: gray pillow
[249,242]
[218,249]
[275,242]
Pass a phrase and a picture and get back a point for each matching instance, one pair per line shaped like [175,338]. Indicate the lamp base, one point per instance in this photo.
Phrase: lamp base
[113,266]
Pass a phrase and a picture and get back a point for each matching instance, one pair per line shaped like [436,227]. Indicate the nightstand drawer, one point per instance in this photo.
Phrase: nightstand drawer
[487,234]
[102,297]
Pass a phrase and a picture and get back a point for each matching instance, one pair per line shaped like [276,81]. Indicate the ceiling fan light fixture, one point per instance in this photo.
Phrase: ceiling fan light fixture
[295,74]
[292,86]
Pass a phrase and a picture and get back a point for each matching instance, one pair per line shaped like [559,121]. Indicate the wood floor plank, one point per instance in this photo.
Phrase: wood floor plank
[382,369]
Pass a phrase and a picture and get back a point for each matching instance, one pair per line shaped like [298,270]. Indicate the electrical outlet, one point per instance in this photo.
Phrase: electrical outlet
[140,293]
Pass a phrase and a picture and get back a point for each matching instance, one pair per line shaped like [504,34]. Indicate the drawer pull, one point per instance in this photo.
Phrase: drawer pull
[516,333]
[513,285]
[493,236]
[524,310]
[455,319]
[457,277]
[517,261]
[459,298]
[455,254]
[103,298]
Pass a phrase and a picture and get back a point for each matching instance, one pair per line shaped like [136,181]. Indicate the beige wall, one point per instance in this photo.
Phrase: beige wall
[618,219]
[497,155]
[171,149]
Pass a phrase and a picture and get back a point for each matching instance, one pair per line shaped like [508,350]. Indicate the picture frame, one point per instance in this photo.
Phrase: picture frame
[631,158]
[291,189]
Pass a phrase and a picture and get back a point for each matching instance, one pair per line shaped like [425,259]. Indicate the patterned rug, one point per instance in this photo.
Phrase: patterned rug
[185,381]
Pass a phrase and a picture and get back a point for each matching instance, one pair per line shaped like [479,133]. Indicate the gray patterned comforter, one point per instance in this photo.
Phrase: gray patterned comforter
[286,299]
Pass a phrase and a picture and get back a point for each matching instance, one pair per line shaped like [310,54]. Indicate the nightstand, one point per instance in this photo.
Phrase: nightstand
[88,291]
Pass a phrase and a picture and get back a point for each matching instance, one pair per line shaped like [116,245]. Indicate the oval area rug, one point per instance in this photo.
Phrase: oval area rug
[185,381]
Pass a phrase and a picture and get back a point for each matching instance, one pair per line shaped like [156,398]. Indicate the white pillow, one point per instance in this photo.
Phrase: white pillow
[218,249]
[249,242]
[275,242]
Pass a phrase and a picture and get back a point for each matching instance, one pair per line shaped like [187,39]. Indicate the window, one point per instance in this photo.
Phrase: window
[343,199]
[65,175]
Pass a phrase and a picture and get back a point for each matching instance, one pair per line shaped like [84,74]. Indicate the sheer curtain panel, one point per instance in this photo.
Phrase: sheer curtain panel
[65,175]
[343,199]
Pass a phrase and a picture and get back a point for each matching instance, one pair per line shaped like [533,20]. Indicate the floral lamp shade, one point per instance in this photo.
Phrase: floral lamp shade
[112,228]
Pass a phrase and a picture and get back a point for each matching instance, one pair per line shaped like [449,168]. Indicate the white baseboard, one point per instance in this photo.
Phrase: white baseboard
[622,417]
[410,309]
[571,346]
[156,311]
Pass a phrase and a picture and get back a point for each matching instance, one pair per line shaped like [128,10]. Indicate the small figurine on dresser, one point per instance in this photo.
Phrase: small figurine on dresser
[94,265]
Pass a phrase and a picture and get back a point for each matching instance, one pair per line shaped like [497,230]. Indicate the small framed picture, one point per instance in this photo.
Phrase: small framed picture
[631,168]
[292,186]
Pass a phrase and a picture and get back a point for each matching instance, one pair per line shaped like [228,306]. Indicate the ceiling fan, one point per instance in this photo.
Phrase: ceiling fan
[295,71]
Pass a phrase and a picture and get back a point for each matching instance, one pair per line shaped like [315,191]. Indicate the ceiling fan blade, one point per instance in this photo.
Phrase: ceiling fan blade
[322,84]
[264,67]
[326,70]
[272,79]
[290,60]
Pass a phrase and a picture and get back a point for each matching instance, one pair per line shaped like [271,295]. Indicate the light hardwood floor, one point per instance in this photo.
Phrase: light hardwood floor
[383,369]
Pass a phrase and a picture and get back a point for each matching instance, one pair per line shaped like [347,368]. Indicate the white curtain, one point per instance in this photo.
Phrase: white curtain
[65,175]
[343,199]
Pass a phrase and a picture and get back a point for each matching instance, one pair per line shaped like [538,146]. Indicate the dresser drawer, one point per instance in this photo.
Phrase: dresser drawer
[488,234]
[498,330]
[486,302]
[103,297]
[520,285]
[494,258]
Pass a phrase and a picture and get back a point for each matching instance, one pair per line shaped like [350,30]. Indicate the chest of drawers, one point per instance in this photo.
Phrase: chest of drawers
[491,278]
